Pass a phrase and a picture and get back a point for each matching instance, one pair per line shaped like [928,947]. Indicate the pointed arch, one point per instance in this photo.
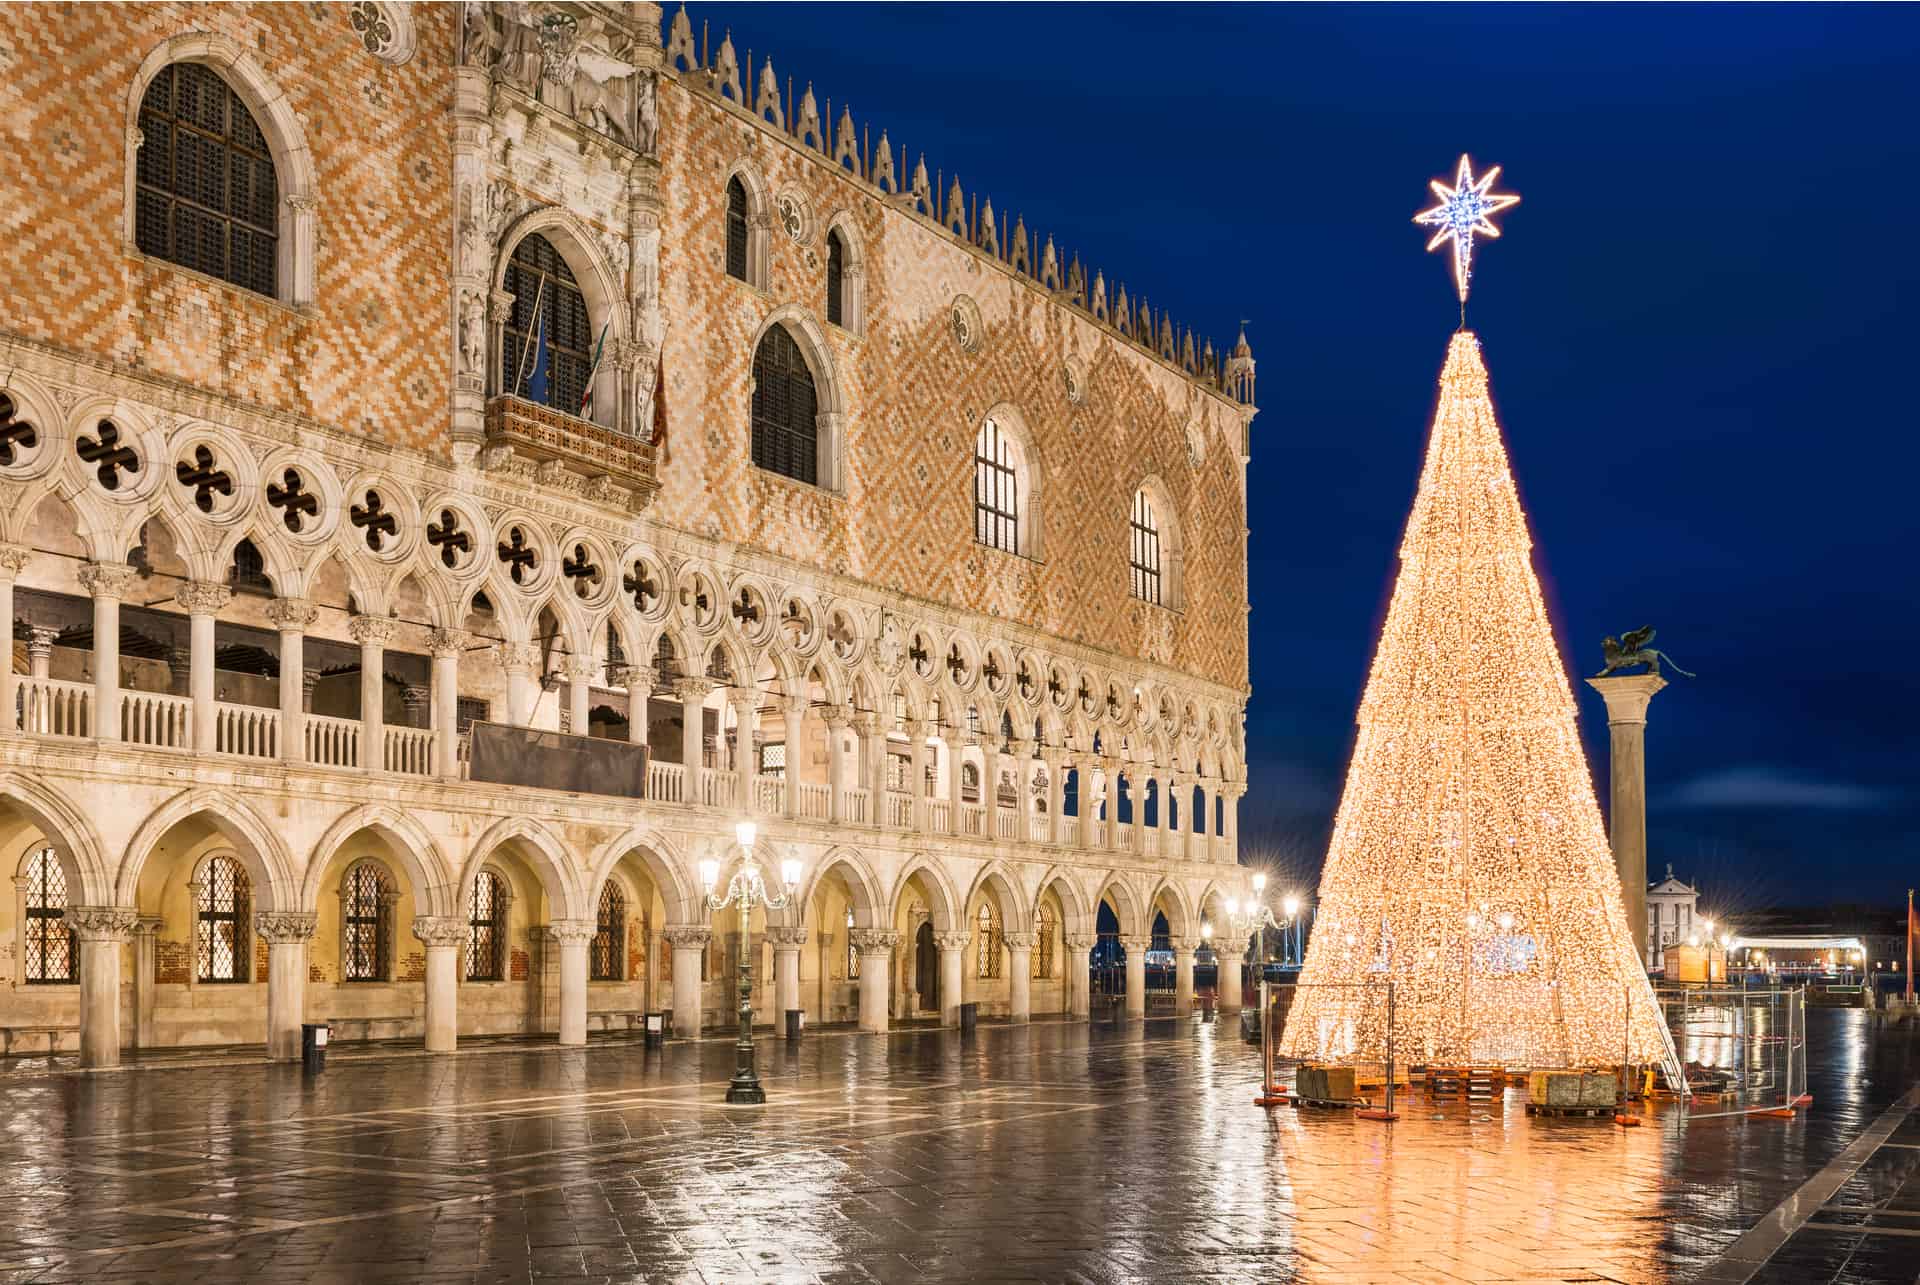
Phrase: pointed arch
[600,289]
[544,853]
[947,908]
[1169,897]
[847,276]
[258,845]
[664,863]
[751,226]
[1015,905]
[1075,905]
[67,831]
[414,849]
[830,395]
[1127,907]
[870,910]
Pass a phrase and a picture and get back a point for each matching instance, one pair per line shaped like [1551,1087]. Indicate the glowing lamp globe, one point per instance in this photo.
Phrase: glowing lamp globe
[1259,884]
[745,832]
[790,872]
[709,873]
[1291,905]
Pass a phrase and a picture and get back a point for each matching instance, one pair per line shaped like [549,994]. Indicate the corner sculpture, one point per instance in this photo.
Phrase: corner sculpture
[1631,649]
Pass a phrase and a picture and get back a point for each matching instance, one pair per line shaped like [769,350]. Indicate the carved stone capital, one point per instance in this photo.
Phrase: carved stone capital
[786,938]
[440,930]
[40,640]
[1081,942]
[519,657]
[1020,941]
[13,559]
[102,923]
[106,579]
[1132,944]
[694,690]
[687,936]
[576,932]
[285,927]
[292,615]
[952,941]
[639,680]
[1185,945]
[448,642]
[580,669]
[839,717]
[376,630]
[873,941]
[745,703]
[203,597]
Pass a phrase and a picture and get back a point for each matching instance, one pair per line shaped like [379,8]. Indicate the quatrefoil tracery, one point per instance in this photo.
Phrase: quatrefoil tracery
[295,502]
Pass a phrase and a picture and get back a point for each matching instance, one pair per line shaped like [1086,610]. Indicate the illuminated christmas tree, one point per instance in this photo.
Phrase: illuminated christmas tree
[1468,864]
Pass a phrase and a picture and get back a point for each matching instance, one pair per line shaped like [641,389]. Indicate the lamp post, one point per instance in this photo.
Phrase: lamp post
[747,889]
[1245,919]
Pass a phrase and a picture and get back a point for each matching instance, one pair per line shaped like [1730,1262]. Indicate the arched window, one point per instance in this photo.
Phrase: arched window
[736,228]
[609,935]
[51,958]
[546,297]
[220,928]
[836,277]
[969,783]
[1044,930]
[486,928]
[996,489]
[1145,554]
[366,924]
[206,196]
[988,940]
[786,409]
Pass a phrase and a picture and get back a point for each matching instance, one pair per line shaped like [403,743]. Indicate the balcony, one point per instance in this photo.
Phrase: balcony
[611,463]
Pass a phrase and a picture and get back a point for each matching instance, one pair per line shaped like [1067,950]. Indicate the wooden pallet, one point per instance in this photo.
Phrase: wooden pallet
[1475,1084]
[1337,1104]
[1575,1113]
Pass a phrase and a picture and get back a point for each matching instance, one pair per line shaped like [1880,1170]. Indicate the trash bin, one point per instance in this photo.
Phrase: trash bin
[796,1021]
[666,1023]
[969,1016]
[656,1036]
[313,1045]
[1250,1025]
[1206,1008]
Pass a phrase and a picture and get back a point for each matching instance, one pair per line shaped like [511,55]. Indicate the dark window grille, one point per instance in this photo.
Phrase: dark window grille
[485,928]
[536,272]
[785,408]
[205,194]
[467,711]
[609,934]
[1146,550]
[996,490]
[249,571]
[221,936]
[969,783]
[51,958]
[367,947]
[736,229]
[1044,931]
[989,943]
[836,278]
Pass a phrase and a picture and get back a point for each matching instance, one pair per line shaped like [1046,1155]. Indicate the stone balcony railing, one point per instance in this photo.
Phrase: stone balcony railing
[552,440]
[59,710]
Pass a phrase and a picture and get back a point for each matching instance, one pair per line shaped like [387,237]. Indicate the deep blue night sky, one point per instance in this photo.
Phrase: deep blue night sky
[1700,326]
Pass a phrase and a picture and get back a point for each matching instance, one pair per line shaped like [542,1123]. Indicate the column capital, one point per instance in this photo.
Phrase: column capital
[839,717]
[102,923]
[785,937]
[1020,941]
[952,941]
[519,657]
[798,704]
[571,932]
[1185,945]
[919,729]
[635,678]
[372,630]
[692,689]
[866,724]
[684,935]
[448,642]
[1020,748]
[13,560]
[292,615]
[203,597]
[1627,695]
[285,927]
[147,926]
[745,700]
[1081,942]
[873,941]
[440,930]
[580,668]
[106,579]
[1132,942]
[40,640]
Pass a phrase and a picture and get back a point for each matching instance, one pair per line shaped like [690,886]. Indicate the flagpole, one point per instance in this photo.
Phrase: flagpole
[520,371]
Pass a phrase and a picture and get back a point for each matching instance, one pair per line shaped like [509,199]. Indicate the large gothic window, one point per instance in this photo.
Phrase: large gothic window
[836,277]
[987,939]
[736,228]
[220,923]
[366,940]
[996,489]
[51,958]
[544,291]
[486,928]
[206,196]
[786,409]
[1145,550]
[609,934]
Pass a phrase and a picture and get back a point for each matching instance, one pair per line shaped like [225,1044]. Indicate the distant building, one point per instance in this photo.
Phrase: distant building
[1670,916]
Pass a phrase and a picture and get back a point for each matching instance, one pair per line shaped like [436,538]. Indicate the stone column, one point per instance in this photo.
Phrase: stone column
[1136,948]
[839,719]
[693,697]
[1230,793]
[876,961]
[203,600]
[35,716]
[795,715]
[953,961]
[1183,949]
[292,617]
[1115,835]
[1079,975]
[446,646]
[746,762]
[286,933]
[873,751]
[521,661]
[1196,830]
[1058,765]
[418,701]
[580,673]
[639,681]
[1019,976]
[13,559]
[101,932]
[444,937]
[689,942]
[572,936]
[1627,696]
[1228,987]
[787,942]
[108,582]
[1021,752]
[956,769]
[373,634]
[144,931]
[990,784]
[922,791]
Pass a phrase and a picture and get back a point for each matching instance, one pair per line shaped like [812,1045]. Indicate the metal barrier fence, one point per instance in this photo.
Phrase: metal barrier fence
[1360,1018]
[1744,1051]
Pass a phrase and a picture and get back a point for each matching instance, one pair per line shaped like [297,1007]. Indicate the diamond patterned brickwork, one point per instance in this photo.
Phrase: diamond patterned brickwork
[914,400]
[374,352]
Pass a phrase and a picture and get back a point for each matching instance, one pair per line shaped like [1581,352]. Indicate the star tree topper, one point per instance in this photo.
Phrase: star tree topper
[1464,211]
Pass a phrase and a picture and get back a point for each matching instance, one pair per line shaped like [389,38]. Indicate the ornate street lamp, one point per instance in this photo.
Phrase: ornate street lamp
[748,889]
[1245,919]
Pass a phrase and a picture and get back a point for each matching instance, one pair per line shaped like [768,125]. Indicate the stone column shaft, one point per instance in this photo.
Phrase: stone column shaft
[292,617]
[876,962]
[446,646]
[203,601]
[693,695]
[1183,977]
[443,939]
[144,932]
[1020,977]
[286,933]
[838,720]
[1229,986]
[786,970]
[953,961]
[572,936]
[101,931]
[689,944]
[1136,948]
[372,633]
[746,713]
[1627,696]
[1079,975]
[108,582]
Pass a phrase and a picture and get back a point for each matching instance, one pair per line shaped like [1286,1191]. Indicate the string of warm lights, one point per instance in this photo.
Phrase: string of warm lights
[1468,863]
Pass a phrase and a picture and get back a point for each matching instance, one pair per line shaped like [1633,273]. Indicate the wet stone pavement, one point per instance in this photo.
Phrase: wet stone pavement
[1051,1152]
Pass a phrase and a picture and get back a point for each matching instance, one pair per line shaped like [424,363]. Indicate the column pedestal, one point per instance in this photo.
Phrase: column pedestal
[1627,696]
[443,938]
[286,933]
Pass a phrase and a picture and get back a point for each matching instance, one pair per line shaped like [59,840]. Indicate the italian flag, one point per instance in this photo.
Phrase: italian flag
[599,347]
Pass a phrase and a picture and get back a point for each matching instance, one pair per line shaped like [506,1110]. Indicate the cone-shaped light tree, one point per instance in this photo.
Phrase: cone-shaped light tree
[1468,864]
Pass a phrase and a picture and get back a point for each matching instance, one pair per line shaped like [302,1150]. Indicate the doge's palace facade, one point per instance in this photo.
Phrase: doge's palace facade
[384,382]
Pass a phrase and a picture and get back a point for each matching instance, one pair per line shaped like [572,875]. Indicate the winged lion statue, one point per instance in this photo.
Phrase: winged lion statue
[1635,648]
